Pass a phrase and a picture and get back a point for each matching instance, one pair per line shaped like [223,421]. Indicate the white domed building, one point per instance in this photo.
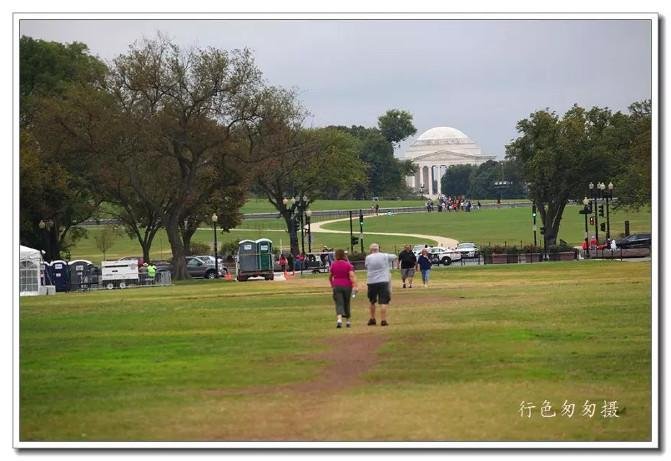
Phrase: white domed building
[435,150]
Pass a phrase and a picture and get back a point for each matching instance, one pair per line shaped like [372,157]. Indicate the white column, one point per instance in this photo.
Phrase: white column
[440,177]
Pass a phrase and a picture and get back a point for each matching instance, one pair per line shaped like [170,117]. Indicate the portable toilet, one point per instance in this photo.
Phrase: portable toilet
[264,250]
[61,275]
[82,274]
[247,256]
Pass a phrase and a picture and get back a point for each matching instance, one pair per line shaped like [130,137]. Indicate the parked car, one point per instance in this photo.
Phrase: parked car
[203,266]
[162,265]
[445,256]
[468,250]
[417,249]
[635,241]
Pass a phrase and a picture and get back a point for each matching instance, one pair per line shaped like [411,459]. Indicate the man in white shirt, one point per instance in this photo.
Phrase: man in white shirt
[379,267]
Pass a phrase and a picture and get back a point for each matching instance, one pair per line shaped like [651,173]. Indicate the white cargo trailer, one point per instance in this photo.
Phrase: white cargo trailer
[119,274]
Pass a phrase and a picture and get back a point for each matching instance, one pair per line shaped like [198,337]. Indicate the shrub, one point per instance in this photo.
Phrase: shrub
[513,250]
[198,248]
[563,246]
[228,249]
[531,249]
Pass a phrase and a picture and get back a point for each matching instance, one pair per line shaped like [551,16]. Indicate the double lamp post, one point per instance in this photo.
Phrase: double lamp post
[597,191]
[299,214]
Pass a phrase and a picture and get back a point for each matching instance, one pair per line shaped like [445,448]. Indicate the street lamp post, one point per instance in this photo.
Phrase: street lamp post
[216,258]
[593,191]
[302,204]
[585,211]
[290,205]
[308,213]
[609,196]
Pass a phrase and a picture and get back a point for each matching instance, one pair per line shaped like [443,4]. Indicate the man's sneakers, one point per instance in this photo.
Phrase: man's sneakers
[347,324]
[374,322]
[339,325]
[404,285]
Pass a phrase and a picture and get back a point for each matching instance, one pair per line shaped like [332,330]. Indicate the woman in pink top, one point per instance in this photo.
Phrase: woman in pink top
[343,281]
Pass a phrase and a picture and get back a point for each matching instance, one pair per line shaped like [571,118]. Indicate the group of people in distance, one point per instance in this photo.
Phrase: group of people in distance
[449,203]
[378,265]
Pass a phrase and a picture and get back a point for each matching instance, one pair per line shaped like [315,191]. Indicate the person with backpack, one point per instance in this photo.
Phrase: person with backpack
[407,262]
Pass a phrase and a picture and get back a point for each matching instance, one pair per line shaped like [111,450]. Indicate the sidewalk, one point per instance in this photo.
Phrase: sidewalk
[441,241]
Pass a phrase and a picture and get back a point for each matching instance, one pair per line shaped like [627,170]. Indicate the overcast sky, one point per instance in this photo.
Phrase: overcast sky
[479,76]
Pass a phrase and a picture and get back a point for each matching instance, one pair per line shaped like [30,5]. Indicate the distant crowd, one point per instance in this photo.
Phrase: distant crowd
[450,203]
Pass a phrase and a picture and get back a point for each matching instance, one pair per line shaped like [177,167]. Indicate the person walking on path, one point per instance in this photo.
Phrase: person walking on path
[424,265]
[343,282]
[407,262]
[379,266]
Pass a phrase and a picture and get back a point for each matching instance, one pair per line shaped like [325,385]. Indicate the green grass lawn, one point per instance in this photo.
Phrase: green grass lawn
[124,246]
[215,360]
[510,225]
[258,205]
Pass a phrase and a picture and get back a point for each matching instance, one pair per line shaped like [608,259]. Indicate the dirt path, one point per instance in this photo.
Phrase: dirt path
[349,356]
[442,241]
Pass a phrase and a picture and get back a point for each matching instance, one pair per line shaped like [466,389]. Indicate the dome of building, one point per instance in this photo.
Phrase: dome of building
[442,132]
[442,139]
[434,151]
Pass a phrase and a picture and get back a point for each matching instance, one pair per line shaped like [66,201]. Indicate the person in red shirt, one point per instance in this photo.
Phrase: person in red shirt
[283,263]
[343,282]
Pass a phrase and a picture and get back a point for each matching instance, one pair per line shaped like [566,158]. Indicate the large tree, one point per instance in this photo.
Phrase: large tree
[396,125]
[53,197]
[195,105]
[165,137]
[632,141]
[457,180]
[559,156]
[385,172]
[307,163]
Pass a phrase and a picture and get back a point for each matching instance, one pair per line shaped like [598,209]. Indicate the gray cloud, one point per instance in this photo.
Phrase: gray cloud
[480,76]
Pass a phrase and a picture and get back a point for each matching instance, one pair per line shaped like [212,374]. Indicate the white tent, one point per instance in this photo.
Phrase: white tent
[30,262]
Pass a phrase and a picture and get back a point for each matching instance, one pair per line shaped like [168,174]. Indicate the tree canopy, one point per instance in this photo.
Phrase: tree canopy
[51,188]
[560,156]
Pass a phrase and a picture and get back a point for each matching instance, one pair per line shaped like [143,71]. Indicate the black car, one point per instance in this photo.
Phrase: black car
[635,241]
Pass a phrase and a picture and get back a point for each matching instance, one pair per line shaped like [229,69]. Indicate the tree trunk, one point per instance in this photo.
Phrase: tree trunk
[177,248]
[187,234]
[186,238]
[293,232]
[551,218]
